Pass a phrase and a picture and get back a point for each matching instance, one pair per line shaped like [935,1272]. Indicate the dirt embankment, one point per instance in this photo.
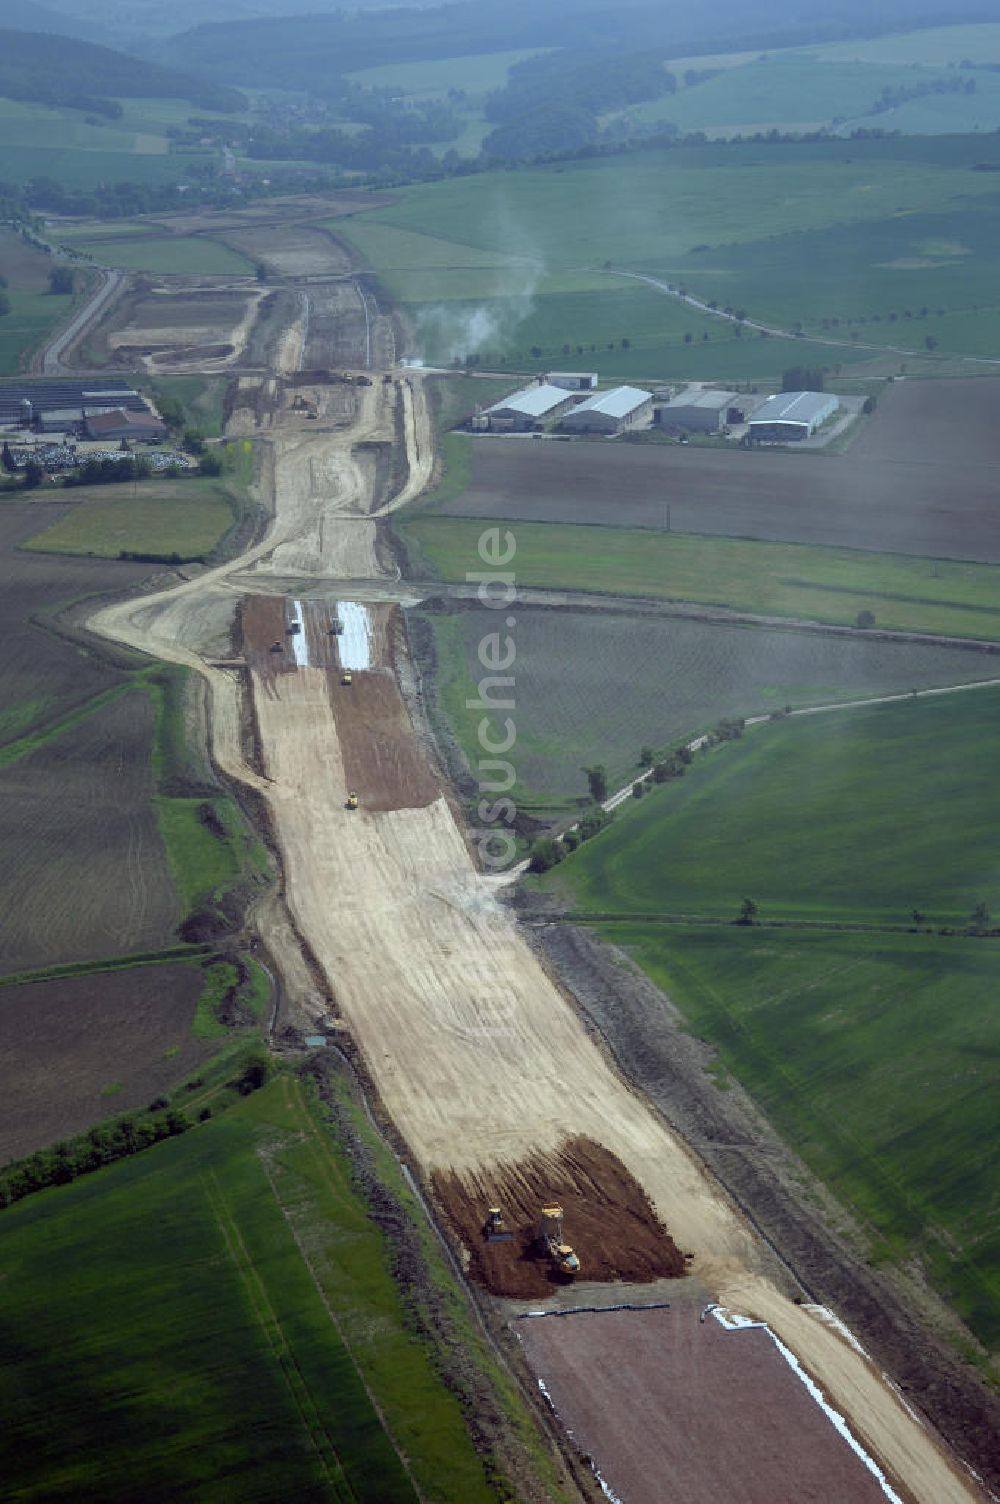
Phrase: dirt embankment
[608,1220]
[645,1036]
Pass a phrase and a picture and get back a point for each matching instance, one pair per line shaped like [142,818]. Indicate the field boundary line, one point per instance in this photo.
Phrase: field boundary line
[313,1139]
[170,955]
[270,1324]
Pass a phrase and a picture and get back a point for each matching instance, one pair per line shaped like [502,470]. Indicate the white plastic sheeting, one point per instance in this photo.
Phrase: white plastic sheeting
[355,642]
[733,1323]
[300,646]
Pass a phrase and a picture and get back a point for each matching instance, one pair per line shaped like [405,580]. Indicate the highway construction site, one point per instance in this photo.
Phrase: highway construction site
[503,1099]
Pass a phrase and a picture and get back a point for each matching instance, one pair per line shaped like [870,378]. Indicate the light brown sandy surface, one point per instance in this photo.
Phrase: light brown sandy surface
[478,1057]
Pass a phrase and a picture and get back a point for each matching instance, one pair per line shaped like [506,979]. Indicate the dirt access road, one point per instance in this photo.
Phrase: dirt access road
[478,1057]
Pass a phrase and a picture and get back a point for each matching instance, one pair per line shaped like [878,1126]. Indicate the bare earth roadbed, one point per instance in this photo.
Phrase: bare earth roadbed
[478,1058]
[673,1407]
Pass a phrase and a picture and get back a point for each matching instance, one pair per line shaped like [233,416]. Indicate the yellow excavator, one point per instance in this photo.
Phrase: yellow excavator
[346,677]
[352,800]
[551,1242]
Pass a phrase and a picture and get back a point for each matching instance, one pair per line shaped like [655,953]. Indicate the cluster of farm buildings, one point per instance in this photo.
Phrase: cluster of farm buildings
[569,402]
[57,424]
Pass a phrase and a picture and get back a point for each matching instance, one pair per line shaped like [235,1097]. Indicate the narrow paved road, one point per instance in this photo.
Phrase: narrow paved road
[51,361]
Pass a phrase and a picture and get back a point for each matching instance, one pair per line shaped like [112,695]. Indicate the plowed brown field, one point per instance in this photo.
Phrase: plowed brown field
[84,1048]
[921,479]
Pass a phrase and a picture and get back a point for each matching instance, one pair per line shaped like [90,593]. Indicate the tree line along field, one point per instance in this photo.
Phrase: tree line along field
[596,686]
[34,311]
[792,232]
[874,1053]
[254,1340]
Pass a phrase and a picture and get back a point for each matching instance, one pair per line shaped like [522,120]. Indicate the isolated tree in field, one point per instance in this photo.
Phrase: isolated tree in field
[688,337]
[4,304]
[646,757]
[545,854]
[918,916]
[748,912]
[865,619]
[61,279]
[536,352]
[979,919]
[597,779]
[210,464]
[930,342]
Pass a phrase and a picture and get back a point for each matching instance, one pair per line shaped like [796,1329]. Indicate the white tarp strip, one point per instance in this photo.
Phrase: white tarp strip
[734,1323]
[300,647]
[355,642]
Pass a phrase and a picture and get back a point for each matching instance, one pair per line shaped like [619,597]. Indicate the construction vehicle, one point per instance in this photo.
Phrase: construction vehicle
[352,800]
[294,629]
[346,677]
[495,1228]
[277,647]
[552,1243]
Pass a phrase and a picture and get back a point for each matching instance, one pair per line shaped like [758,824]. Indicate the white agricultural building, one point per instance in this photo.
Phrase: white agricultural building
[698,410]
[791,416]
[611,412]
[527,409]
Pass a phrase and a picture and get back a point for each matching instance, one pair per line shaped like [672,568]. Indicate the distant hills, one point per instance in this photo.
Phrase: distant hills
[300,51]
[63,70]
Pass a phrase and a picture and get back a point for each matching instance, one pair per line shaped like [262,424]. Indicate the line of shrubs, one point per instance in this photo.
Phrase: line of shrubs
[101,1145]
[118,1138]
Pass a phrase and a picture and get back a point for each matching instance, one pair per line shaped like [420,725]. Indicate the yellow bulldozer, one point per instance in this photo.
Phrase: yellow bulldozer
[495,1229]
[551,1242]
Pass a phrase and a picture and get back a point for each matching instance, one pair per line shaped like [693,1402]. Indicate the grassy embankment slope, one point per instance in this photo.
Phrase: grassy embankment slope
[218,1316]
[874,1053]
[895,240]
[34,311]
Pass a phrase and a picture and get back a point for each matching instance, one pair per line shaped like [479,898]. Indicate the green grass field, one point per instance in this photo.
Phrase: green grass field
[875,1054]
[185,517]
[794,233]
[217,1317]
[200,400]
[778,579]
[855,815]
[177,255]
[876,1057]
[85,168]
[476,74]
[34,311]
[595,687]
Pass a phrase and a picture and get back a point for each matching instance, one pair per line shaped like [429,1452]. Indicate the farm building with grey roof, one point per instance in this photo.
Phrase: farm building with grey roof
[792,415]
[611,412]
[528,408]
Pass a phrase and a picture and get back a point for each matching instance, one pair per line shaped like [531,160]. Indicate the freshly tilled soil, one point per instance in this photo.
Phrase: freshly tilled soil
[608,1221]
